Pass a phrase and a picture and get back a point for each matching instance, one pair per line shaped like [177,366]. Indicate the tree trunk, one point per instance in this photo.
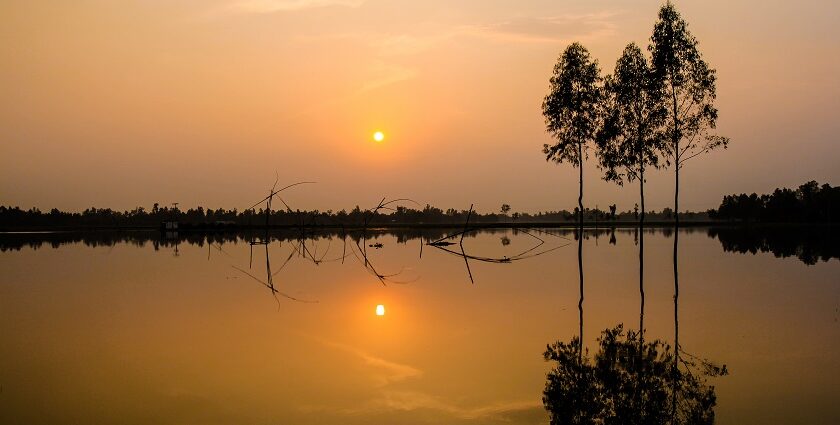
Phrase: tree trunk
[580,193]
[677,195]
[642,255]
[676,140]
[642,187]
[641,248]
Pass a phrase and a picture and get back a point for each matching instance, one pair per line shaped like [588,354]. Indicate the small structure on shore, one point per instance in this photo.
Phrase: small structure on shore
[169,226]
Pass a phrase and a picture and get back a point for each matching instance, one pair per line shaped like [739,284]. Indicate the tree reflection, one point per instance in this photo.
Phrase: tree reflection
[810,244]
[580,301]
[629,380]
[640,238]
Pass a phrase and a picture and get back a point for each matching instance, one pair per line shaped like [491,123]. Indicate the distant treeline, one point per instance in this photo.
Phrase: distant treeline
[199,217]
[810,203]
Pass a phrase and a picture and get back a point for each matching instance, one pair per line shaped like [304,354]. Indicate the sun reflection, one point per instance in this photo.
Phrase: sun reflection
[380,310]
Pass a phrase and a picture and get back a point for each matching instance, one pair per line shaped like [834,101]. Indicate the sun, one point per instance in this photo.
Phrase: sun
[380,310]
[378,136]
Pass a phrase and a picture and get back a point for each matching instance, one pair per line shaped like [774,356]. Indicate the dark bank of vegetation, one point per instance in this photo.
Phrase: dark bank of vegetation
[809,203]
[199,218]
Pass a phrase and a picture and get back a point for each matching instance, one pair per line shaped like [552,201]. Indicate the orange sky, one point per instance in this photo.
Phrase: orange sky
[129,103]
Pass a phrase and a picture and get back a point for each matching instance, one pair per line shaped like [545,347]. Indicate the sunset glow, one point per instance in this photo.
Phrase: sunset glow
[103,83]
[213,193]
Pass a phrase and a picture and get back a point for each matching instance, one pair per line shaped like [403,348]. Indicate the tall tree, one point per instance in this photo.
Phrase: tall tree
[632,136]
[571,110]
[690,92]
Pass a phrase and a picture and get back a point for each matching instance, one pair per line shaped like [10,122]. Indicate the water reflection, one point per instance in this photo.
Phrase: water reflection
[269,273]
[639,238]
[127,328]
[534,250]
[810,244]
[629,380]
[580,234]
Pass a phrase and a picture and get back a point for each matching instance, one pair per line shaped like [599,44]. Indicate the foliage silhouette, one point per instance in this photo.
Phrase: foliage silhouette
[690,90]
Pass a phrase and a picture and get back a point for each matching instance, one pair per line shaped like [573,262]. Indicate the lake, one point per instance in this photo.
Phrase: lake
[139,328]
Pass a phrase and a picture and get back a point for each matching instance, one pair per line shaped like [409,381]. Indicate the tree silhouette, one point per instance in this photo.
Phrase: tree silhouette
[690,93]
[505,209]
[571,110]
[632,136]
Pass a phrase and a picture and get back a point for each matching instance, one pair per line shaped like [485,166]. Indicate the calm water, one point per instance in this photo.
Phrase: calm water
[132,328]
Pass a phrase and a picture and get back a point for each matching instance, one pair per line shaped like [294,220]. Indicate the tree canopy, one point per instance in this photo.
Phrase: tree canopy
[632,136]
[571,108]
[690,88]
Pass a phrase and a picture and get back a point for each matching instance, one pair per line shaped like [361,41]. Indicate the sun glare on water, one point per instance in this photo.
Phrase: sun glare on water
[378,136]
[380,310]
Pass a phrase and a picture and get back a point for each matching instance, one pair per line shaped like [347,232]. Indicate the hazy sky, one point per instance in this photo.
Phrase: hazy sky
[125,103]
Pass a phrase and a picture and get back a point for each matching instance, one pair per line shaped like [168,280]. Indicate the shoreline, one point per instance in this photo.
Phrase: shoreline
[186,228]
